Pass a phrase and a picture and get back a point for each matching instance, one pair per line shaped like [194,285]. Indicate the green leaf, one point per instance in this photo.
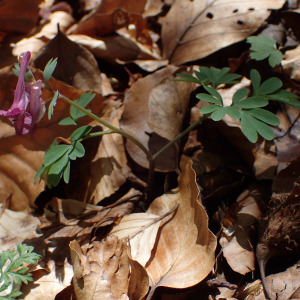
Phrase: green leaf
[255,80]
[263,47]
[209,109]
[228,79]
[275,58]
[285,97]
[252,102]
[264,130]
[53,154]
[265,116]
[187,77]
[52,104]
[84,100]
[208,98]
[248,129]
[219,114]
[233,112]
[40,173]
[28,76]
[239,95]
[67,121]
[67,172]
[269,86]
[58,166]
[78,151]
[49,69]
[80,132]
[214,93]
[201,76]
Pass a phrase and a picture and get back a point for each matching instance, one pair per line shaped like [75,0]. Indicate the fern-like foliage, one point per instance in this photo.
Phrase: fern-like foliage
[13,271]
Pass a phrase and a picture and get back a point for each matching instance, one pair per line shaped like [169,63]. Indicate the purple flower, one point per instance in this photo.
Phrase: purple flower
[26,93]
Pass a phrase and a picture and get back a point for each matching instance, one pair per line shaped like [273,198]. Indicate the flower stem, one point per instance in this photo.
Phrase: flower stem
[108,125]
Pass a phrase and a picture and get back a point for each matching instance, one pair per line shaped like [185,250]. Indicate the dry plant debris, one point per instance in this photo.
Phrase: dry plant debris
[224,222]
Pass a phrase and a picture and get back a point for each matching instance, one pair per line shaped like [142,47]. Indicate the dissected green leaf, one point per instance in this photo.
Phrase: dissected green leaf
[214,93]
[265,116]
[263,47]
[209,109]
[252,102]
[54,153]
[269,86]
[248,129]
[67,121]
[239,95]
[219,114]
[255,80]
[78,151]
[52,104]
[187,77]
[264,130]
[49,69]
[208,98]
[83,101]
[80,132]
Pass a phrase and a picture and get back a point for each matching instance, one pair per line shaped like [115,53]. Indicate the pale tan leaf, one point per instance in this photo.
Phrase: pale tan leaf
[194,29]
[16,227]
[239,234]
[107,272]
[184,252]
[291,63]
[141,230]
[47,284]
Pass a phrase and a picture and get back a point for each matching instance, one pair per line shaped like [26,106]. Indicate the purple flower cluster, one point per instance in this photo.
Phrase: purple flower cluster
[26,94]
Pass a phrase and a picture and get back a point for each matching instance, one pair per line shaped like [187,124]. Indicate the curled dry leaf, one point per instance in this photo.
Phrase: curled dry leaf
[76,65]
[283,285]
[159,107]
[239,234]
[291,63]
[183,254]
[104,168]
[141,230]
[194,29]
[24,153]
[17,227]
[106,271]
[70,218]
[110,48]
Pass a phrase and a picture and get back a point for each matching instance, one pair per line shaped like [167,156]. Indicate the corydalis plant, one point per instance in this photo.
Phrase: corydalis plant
[13,271]
[248,110]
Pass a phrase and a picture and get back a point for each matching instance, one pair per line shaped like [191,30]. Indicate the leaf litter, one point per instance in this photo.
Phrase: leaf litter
[221,209]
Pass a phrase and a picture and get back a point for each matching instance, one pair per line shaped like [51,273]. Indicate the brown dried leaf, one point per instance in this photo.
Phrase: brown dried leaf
[98,23]
[194,29]
[19,17]
[156,100]
[184,252]
[106,271]
[16,227]
[76,65]
[110,48]
[283,285]
[238,240]
[25,154]
[70,218]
